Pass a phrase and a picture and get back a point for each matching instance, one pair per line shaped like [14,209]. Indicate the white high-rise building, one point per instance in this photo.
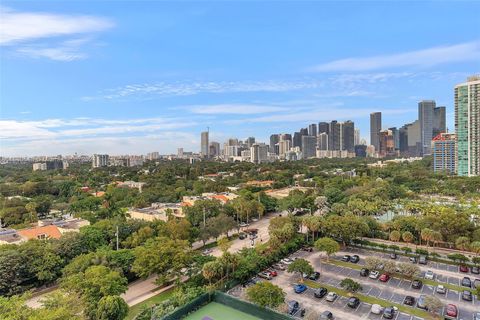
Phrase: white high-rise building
[204,149]
[100,160]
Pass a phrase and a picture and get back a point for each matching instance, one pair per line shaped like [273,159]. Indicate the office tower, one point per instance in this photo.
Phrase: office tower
[361,151]
[283,147]
[297,139]
[153,156]
[403,139]
[54,164]
[214,149]
[415,146]
[204,152]
[322,141]
[375,128]
[467,126]
[180,152]
[309,146]
[250,141]
[348,136]
[233,142]
[274,139]
[258,153]
[323,127]
[396,137]
[99,160]
[387,144]
[312,130]
[443,149]
[334,135]
[439,121]
[304,131]
[425,117]
[356,139]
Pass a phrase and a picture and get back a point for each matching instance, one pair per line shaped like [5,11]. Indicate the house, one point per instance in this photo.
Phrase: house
[40,233]
[157,211]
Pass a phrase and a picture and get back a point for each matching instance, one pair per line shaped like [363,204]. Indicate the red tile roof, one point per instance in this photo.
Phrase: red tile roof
[49,231]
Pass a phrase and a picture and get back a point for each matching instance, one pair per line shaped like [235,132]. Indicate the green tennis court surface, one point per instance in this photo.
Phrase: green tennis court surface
[218,311]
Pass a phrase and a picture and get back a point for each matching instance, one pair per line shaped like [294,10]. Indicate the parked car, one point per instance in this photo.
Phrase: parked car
[384,277]
[376,309]
[279,266]
[417,284]
[272,272]
[320,292]
[300,288]
[355,258]
[243,224]
[467,295]
[331,296]
[346,258]
[393,255]
[466,282]
[476,316]
[422,260]
[389,312]
[451,311]
[429,275]
[364,272]
[242,236]
[265,275]
[293,307]
[475,270]
[409,301]
[286,260]
[374,274]
[254,219]
[326,315]
[463,268]
[413,259]
[314,276]
[353,302]
[421,302]
[308,249]
[441,289]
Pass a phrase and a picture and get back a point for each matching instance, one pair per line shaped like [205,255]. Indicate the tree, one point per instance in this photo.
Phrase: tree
[301,266]
[212,270]
[327,245]
[313,225]
[373,263]
[407,250]
[350,285]
[281,229]
[457,257]
[436,238]
[433,304]
[224,244]
[111,308]
[462,243]
[426,235]
[407,236]
[475,247]
[266,294]
[345,228]
[409,270]
[395,236]
[389,266]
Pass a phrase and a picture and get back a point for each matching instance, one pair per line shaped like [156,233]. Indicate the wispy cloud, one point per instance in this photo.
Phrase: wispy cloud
[48,35]
[469,51]
[240,109]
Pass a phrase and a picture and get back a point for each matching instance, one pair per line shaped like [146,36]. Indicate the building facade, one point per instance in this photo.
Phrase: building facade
[204,146]
[375,128]
[444,153]
[100,160]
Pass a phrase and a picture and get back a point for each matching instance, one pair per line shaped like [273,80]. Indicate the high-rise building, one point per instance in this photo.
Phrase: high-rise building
[274,139]
[348,136]
[356,138]
[396,137]
[309,146]
[467,126]
[180,152]
[250,141]
[443,149]
[360,150]
[322,141]
[214,149]
[387,144]
[323,127]
[297,139]
[312,130]
[403,139]
[153,156]
[425,117]
[415,146]
[258,153]
[204,150]
[375,128]
[334,135]
[439,121]
[283,147]
[99,160]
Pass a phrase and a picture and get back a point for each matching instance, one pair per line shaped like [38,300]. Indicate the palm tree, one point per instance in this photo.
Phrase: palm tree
[407,236]
[462,243]
[475,247]
[426,235]
[436,238]
[395,235]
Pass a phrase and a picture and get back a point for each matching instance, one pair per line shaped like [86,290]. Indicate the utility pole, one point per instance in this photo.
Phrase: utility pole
[204,222]
[116,234]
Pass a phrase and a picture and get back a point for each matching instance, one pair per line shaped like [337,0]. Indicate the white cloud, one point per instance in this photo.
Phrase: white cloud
[234,109]
[16,27]
[469,51]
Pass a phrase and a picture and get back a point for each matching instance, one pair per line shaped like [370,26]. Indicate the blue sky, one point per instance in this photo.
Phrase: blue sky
[133,77]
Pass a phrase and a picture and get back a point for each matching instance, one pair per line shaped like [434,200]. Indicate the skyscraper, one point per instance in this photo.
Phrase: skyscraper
[439,121]
[443,149]
[214,149]
[312,130]
[204,150]
[323,127]
[348,136]
[99,160]
[250,141]
[274,139]
[309,146]
[356,139]
[467,126]
[297,140]
[258,152]
[322,141]
[425,117]
[334,135]
[375,128]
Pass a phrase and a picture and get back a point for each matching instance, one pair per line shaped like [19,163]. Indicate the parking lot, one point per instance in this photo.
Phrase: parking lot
[395,290]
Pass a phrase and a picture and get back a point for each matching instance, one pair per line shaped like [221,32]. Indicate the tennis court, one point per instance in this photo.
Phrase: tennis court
[218,311]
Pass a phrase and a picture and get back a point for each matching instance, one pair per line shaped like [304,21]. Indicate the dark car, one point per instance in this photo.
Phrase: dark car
[308,249]
[393,256]
[413,259]
[467,295]
[466,282]
[242,236]
[417,284]
[409,301]
[326,315]
[320,292]
[364,272]
[389,313]
[293,307]
[314,276]
[346,258]
[355,259]
[353,302]
[475,270]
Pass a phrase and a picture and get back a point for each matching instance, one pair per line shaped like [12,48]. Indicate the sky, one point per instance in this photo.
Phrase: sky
[131,77]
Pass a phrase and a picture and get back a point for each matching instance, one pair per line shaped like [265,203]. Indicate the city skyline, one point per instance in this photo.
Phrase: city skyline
[101,85]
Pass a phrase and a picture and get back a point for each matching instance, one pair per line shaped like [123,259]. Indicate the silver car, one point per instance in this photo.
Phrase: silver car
[331,296]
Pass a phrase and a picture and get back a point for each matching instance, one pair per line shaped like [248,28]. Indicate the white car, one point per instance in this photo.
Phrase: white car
[286,261]
[429,275]
[376,309]
[374,274]
[331,296]
[441,289]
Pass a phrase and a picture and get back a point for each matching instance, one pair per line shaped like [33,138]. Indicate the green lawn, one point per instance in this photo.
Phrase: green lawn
[134,310]
[218,311]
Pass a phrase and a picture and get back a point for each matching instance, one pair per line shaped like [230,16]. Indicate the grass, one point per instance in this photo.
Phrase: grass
[217,310]
[136,309]
[371,300]
[425,281]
